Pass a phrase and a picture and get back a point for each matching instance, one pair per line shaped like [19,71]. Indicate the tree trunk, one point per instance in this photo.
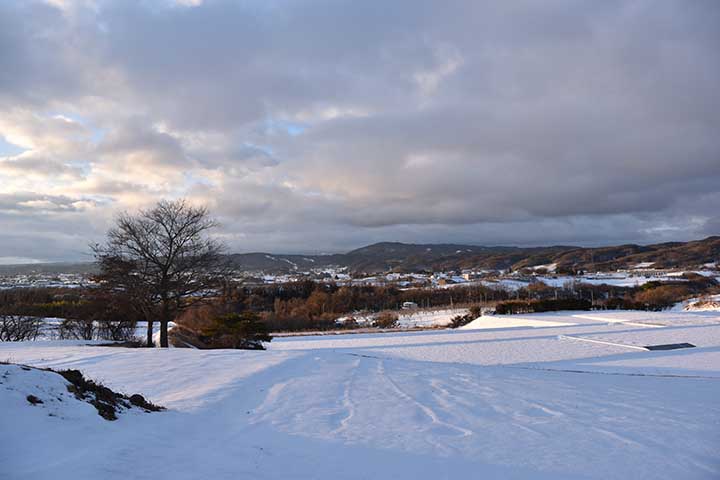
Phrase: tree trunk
[163,333]
[149,333]
[164,320]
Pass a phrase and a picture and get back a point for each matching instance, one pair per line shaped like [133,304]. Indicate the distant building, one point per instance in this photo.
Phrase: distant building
[409,305]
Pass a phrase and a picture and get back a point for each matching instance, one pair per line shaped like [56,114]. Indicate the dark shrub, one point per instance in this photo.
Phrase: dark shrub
[243,331]
[461,320]
[661,297]
[535,306]
[118,330]
[76,329]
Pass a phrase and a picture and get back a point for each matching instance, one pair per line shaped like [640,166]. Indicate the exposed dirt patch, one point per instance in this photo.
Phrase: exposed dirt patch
[107,402]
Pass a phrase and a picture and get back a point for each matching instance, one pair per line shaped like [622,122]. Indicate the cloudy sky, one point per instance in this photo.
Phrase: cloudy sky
[320,126]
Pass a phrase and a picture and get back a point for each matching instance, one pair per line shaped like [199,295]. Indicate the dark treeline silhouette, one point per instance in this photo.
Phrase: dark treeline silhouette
[545,305]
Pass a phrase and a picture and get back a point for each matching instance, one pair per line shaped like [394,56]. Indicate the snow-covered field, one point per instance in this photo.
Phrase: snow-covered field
[617,279]
[556,395]
[429,318]
[421,317]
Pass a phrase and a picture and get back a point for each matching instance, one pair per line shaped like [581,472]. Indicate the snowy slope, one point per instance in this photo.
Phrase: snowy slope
[18,382]
[429,318]
[494,403]
[41,421]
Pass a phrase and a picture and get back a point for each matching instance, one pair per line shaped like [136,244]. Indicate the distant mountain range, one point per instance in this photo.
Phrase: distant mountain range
[404,257]
[54,268]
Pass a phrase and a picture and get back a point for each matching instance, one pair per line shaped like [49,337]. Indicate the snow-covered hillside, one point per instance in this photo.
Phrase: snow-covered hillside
[574,397]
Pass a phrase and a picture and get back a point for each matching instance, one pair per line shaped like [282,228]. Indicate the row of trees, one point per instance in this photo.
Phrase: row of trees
[19,328]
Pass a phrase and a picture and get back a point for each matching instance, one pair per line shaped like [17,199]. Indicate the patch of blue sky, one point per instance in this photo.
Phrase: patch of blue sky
[295,129]
[274,126]
[99,199]
[194,179]
[96,134]
[8,149]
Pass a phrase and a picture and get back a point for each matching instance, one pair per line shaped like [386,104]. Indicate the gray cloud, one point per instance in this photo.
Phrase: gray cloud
[29,165]
[318,125]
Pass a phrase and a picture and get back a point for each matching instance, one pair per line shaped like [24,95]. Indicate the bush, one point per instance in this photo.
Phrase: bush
[118,330]
[661,297]
[201,317]
[547,305]
[622,303]
[244,331]
[299,322]
[19,328]
[461,320]
[85,329]
[386,320]
[75,329]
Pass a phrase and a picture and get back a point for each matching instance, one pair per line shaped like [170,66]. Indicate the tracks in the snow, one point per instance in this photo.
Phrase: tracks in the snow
[427,410]
[347,401]
[356,399]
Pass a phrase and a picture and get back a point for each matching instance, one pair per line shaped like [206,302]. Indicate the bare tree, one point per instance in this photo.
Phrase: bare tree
[19,328]
[77,329]
[163,259]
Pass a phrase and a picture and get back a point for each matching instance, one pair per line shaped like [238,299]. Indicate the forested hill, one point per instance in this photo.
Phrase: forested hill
[403,257]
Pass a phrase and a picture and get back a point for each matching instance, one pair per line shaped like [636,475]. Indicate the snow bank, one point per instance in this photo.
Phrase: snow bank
[503,321]
[18,383]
